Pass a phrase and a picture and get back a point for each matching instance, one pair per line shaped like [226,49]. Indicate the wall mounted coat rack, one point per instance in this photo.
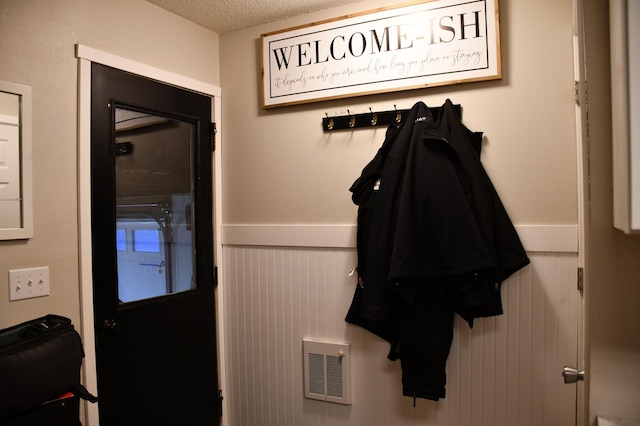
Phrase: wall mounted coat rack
[372,119]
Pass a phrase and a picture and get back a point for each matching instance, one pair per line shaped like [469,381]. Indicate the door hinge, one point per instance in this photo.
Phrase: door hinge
[576,92]
[220,398]
[215,277]
[214,130]
[581,280]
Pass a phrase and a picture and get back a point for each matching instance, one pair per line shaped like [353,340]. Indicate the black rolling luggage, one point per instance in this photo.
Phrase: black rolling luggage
[40,363]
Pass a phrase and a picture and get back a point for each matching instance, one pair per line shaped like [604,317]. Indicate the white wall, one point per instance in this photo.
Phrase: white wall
[282,168]
[503,372]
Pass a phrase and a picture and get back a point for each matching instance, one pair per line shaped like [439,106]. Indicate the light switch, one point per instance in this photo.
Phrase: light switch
[28,283]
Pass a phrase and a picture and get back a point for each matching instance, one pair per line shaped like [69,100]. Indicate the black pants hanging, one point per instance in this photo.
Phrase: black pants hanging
[424,335]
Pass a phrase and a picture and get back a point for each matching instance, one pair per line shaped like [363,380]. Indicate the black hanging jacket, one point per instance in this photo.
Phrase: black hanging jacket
[431,231]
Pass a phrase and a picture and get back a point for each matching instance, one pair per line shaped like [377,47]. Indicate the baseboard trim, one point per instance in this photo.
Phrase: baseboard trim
[535,238]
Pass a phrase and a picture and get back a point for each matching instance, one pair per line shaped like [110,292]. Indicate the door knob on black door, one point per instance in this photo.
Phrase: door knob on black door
[110,326]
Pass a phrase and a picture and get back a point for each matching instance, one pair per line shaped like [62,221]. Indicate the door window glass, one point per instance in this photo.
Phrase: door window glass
[154,184]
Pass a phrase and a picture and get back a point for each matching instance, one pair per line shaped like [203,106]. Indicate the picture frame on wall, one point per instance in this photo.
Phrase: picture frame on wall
[417,45]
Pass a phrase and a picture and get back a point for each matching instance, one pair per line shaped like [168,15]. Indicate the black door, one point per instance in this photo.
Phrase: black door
[153,271]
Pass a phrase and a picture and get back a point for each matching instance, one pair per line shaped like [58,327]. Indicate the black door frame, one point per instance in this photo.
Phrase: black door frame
[87,55]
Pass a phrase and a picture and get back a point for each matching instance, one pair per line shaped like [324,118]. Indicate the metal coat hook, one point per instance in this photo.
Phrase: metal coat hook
[374,117]
[329,122]
[398,115]
[352,119]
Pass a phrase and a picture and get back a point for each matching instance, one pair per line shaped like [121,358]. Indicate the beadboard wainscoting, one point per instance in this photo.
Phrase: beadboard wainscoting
[283,284]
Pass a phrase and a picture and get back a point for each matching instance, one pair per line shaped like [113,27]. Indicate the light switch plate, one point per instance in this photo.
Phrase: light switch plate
[28,283]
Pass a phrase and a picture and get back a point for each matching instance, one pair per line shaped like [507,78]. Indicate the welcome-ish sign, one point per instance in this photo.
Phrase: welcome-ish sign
[414,46]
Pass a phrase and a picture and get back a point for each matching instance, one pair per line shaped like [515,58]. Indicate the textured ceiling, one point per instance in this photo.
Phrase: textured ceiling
[223,16]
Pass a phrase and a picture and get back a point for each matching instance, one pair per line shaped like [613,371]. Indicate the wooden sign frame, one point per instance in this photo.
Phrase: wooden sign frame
[416,45]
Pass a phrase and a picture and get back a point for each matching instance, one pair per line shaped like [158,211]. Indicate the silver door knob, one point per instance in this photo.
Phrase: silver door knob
[572,375]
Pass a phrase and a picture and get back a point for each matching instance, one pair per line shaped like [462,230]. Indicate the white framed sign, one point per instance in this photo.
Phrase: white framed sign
[417,45]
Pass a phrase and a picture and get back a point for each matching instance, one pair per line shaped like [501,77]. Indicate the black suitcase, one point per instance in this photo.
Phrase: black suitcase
[40,362]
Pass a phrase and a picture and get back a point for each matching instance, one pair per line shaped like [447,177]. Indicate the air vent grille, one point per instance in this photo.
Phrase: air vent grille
[316,373]
[334,376]
[327,371]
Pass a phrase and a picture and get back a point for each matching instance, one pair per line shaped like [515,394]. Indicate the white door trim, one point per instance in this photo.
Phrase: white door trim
[86,55]
[167,77]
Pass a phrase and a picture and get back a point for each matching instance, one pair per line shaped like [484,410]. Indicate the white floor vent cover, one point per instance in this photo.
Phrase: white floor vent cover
[327,371]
